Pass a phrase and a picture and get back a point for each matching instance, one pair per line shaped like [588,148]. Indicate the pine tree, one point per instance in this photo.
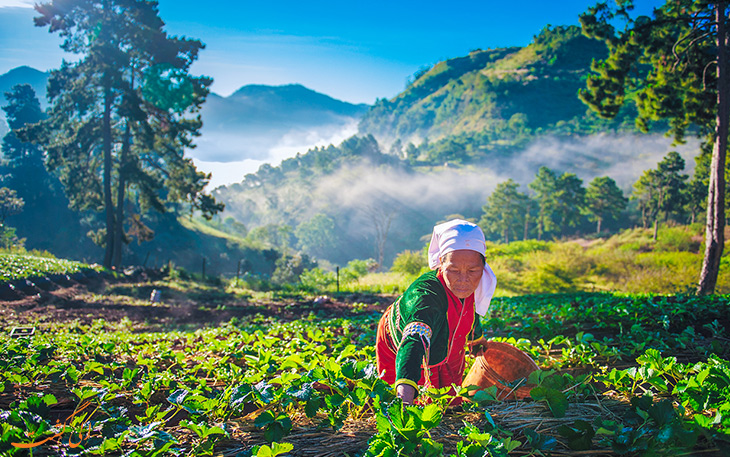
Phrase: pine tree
[675,67]
[122,115]
[545,187]
[505,211]
[28,175]
[23,108]
[662,191]
[604,200]
[570,200]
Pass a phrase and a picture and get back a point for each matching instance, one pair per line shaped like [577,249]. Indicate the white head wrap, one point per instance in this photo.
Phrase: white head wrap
[459,234]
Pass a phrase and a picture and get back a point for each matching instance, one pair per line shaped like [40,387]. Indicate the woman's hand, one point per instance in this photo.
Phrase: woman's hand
[477,346]
[406,393]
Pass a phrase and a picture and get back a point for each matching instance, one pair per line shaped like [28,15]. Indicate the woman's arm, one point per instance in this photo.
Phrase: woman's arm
[405,392]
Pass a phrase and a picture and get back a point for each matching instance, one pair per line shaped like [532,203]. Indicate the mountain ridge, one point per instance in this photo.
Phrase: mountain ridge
[440,147]
[247,124]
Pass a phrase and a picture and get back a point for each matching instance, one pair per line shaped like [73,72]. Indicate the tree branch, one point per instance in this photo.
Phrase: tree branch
[704,73]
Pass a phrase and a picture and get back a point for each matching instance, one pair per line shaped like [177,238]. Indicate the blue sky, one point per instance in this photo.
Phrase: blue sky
[354,51]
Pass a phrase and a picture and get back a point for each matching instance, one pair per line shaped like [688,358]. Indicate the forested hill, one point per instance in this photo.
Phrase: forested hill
[441,147]
[491,101]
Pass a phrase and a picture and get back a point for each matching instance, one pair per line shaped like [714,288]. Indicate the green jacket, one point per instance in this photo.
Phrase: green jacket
[425,302]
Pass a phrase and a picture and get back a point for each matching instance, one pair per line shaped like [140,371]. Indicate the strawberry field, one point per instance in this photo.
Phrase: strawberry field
[107,373]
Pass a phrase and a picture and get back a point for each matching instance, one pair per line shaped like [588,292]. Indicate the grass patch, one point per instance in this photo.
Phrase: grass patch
[630,262]
[19,266]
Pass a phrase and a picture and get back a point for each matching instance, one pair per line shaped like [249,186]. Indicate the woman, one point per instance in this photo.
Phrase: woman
[422,337]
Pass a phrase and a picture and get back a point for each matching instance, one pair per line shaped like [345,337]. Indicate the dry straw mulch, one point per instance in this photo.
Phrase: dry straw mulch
[309,440]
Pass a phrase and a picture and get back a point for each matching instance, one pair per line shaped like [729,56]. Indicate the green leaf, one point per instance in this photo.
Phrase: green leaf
[274,432]
[470,450]
[539,441]
[303,393]
[395,413]
[490,420]
[510,444]
[662,412]
[431,416]
[215,430]
[177,397]
[579,435]
[485,395]
[264,419]
[380,448]
[192,426]
[143,432]
[96,367]
[312,406]
[265,392]
[556,400]
[430,448]
[241,395]
[262,451]
[281,448]
[382,422]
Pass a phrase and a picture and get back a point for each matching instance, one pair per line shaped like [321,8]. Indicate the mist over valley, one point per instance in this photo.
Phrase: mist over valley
[284,156]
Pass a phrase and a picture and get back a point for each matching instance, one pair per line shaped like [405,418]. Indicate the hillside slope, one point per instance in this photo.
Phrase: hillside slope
[493,100]
[440,148]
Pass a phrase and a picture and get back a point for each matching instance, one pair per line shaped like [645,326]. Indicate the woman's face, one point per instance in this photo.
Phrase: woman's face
[462,271]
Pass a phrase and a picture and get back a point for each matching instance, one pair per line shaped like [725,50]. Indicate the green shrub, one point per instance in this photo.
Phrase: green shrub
[382,283]
[317,279]
[355,269]
[678,239]
[178,273]
[254,282]
[515,248]
[9,239]
[290,268]
[410,263]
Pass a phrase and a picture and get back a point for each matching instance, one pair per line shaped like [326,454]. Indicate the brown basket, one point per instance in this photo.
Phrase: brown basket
[504,366]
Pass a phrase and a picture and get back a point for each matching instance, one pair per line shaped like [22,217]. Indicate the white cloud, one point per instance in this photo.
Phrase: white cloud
[302,140]
[448,191]
[17,3]
[623,157]
[231,156]
[223,173]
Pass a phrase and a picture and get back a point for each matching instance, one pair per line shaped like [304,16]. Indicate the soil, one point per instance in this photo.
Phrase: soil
[114,299]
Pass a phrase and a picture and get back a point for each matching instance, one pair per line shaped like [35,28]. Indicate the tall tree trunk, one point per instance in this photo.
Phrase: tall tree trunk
[714,230]
[381,219]
[121,192]
[122,188]
[656,227]
[108,203]
[527,229]
[598,227]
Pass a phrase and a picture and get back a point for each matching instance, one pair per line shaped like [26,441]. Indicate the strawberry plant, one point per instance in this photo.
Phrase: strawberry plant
[404,430]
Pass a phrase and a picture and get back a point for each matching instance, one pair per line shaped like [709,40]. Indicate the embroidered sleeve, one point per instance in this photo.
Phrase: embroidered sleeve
[418,328]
